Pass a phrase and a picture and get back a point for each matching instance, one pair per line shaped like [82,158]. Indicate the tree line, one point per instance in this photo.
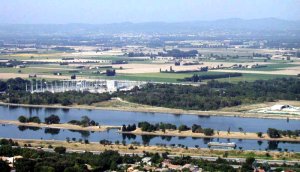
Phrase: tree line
[178,53]
[52,119]
[146,126]
[214,95]
[108,160]
[276,133]
[60,161]
[199,78]
[84,122]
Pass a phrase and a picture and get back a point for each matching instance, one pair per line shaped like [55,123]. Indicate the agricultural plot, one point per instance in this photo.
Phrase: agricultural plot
[272,67]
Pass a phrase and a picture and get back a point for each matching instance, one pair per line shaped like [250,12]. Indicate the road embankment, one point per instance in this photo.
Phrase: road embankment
[97,148]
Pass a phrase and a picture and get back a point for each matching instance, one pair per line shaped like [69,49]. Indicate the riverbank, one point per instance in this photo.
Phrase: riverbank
[60,126]
[121,105]
[221,134]
[140,149]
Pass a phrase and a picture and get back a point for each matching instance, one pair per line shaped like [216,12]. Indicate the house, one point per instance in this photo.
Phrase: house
[32,75]
[147,160]
[57,73]
[167,164]
[10,160]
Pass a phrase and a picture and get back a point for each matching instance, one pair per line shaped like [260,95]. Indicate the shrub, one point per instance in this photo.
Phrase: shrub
[22,119]
[208,131]
[52,119]
[60,150]
[259,134]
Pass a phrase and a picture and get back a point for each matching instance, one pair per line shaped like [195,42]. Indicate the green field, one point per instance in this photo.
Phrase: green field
[27,70]
[249,77]
[271,67]
[172,77]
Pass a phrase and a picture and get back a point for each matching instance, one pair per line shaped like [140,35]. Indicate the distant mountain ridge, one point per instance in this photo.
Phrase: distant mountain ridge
[265,24]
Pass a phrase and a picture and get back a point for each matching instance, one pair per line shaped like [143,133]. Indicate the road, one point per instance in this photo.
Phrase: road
[208,158]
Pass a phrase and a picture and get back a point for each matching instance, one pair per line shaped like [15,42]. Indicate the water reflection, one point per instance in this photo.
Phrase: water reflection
[52,131]
[259,142]
[273,145]
[84,134]
[23,128]
[11,131]
[207,140]
[147,138]
[203,116]
[167,138]
[128,136]
[108,117]
[65,110]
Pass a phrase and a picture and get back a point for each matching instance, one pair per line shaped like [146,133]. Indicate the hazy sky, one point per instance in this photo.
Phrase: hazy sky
[110,11]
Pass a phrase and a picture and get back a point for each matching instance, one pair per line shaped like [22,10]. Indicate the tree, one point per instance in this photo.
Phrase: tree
[259,134]
[72,169]
[183,128]
[24,165]
[66,102]
[85,121]
[4,166]
[208,131]
[60,150]
[22,119]
[6,150]
[123,142]
[110,72]
[3,86]
[250,160]
[34,119]
[196,128]
[273,133]
[52,119]
[44,169]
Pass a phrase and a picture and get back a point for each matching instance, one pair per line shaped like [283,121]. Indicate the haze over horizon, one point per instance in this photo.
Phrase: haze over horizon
[140,11]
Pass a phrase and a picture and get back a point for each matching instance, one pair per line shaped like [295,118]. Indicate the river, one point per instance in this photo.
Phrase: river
[110,117]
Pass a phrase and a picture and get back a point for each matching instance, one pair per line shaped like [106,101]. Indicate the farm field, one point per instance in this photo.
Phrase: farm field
[172,77]
[273,67]
[148,70]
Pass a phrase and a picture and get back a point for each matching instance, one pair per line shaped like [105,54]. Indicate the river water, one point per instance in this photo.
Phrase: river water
[109,117]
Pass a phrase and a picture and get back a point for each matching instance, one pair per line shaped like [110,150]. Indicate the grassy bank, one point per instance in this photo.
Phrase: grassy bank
[93,146]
